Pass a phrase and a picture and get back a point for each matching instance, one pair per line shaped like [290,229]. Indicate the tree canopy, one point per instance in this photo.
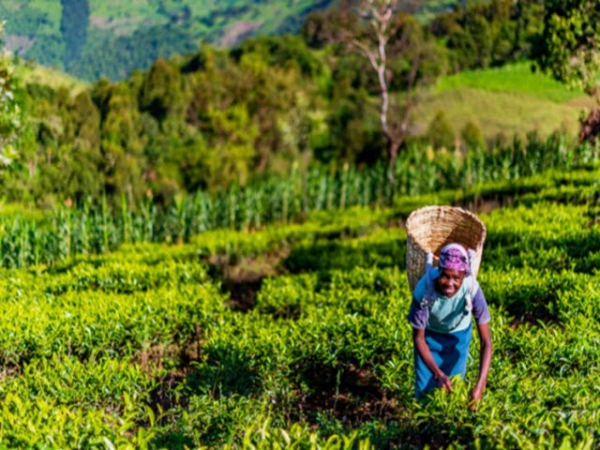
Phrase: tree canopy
[570,45]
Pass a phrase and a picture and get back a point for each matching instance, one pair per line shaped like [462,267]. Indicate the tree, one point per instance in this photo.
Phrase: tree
[390,34]
[472,135]
[479,29]
[121,141]
[440,132]
[570,50]
[570,44]
[10,112]
[161,91]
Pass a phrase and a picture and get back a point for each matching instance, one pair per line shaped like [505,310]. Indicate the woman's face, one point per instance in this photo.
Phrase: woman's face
[450,281]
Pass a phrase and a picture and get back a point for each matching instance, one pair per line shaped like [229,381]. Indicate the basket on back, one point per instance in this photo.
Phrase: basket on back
[431,227]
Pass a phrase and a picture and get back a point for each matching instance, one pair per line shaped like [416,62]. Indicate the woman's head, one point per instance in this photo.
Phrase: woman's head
[453,267]
[455,257]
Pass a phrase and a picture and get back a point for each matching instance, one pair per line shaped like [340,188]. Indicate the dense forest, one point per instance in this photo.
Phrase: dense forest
[218,117]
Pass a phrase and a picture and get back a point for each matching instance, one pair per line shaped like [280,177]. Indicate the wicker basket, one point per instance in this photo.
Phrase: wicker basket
[431,227]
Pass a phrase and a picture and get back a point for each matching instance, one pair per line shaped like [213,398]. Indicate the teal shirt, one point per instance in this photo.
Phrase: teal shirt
[446,314]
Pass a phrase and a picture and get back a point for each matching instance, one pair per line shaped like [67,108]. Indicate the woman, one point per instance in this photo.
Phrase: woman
[443,302]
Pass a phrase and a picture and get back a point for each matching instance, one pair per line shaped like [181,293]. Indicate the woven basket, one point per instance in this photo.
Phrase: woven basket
[431,227]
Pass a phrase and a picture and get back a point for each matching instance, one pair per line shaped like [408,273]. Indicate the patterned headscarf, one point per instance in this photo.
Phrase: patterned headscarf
[455,257]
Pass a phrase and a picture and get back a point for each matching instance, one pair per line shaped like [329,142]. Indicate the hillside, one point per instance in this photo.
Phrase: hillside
[95,38]
[180,128]
[224,117]
[508,100]
[37,74]
[121,36]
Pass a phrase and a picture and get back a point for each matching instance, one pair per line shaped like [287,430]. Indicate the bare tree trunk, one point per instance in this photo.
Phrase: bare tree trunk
[396,137]
[394,146]
[380,15]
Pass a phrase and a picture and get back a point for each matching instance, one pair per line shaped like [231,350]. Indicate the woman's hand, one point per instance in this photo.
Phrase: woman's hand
[476,397]
[444,381]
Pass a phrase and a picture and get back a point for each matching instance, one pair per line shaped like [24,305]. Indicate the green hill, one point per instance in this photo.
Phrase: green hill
[53,78]
[111,38]
[219,117]
[505,100]
[95,38]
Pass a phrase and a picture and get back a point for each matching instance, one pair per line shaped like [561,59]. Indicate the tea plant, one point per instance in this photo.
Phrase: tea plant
[138,348]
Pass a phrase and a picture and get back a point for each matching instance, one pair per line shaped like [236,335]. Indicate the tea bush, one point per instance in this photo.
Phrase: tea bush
[140,348]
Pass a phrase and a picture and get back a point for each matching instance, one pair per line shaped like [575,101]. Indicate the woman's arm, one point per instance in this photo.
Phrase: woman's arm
[485,358]
[425,354]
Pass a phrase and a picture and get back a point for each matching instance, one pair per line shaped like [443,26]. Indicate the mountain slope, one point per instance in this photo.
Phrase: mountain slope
[95,38]
[110,38]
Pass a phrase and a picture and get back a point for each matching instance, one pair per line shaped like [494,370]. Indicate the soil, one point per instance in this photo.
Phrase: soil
[242,278]
[358,397]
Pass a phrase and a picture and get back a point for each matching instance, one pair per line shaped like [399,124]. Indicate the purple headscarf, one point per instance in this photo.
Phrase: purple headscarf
[455,257]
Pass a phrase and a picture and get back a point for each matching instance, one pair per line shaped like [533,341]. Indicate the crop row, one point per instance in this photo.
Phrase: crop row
[138,348]
[521,169]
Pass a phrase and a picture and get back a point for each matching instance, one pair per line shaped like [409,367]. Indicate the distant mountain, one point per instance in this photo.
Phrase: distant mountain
[109,38]
[95,38]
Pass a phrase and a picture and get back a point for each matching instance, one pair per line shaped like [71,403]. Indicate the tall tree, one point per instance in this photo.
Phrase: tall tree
[570,50]
[391,33]
[570,45]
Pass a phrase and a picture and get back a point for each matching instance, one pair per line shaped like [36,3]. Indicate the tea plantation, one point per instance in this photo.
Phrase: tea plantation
[295,335]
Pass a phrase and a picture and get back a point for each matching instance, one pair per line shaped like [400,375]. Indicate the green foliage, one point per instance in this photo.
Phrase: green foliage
[472,136]
[98,227]
[440,132]
[480,32]
[515,78]
[161,92]
[116,57]
[215,119]
[92,39]
[282,51]
[227,161]
[568,47]
[139,348]
[486,34]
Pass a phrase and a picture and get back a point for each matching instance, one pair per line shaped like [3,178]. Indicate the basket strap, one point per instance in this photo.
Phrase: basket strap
[469,296]
[471,293]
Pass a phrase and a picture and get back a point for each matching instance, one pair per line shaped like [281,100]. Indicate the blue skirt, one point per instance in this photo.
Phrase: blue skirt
[449,351]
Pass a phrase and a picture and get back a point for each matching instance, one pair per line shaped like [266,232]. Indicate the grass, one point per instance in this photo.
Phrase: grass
[515,78]
[518,78]
[11,210]
[498,112]
[508,100]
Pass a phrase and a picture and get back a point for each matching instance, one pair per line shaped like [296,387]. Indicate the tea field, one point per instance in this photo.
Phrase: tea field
[294,335]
